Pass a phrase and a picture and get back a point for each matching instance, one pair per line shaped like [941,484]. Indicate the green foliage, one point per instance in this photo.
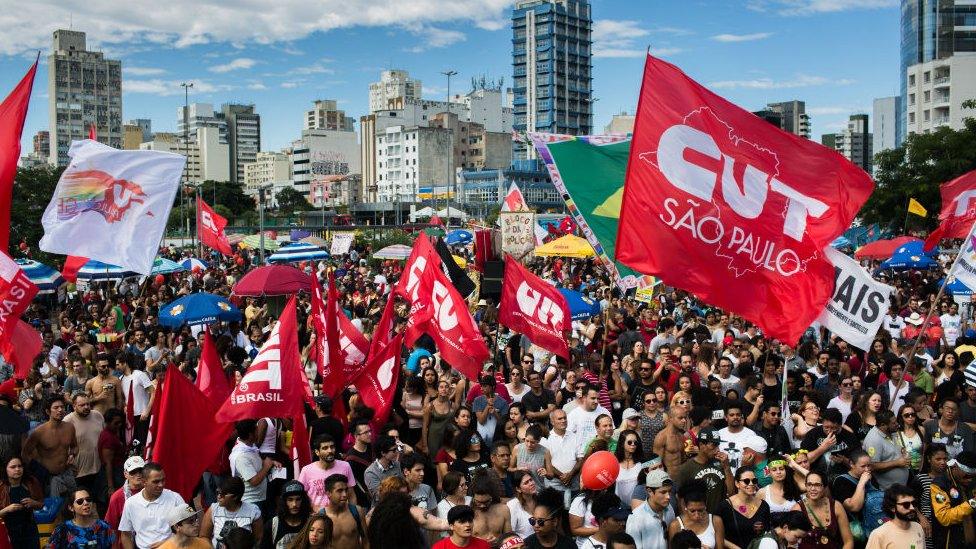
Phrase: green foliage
[228,195]
[492,218]
[33,189]
[915,170]
[290,201]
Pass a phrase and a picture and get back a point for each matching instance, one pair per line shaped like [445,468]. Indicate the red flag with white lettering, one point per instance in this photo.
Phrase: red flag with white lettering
[383,332]
[16,293]
[415,286]
[274,384]
[210,226]
[532,306]
[958,209]
[377,382]
[729,207]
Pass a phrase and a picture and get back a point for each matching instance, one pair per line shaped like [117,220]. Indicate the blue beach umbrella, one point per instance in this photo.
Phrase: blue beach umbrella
[956,287]
[909,256]
[198,308]
[298,251]
[580,306]
[45,278]
[96,270]
[458,237]
[192,263]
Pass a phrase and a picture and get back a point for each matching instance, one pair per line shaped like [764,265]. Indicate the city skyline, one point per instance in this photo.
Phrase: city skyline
[835,56]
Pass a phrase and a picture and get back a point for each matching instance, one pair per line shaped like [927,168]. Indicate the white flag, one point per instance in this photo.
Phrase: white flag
[514,201]
[112,205]
[858,305]
[964,269]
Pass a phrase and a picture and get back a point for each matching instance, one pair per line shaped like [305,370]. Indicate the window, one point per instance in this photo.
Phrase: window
[927,115]
[927,77]
[927,96]
[911,99]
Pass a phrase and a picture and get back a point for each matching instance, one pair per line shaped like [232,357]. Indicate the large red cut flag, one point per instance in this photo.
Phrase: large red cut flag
[958,209]
[532,306]
[378,381]
[415,286]
[188,438]
[210,226]
[16,293]
[21,348]
[13,111]
[729,207]
[383,332]
[211,379]
[72,264]
[274,385]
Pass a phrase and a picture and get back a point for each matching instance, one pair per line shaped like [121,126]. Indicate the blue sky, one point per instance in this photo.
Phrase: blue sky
[837,55]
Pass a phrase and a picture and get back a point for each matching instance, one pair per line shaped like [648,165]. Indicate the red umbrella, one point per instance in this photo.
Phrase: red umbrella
[273,280]
[436,220]
[883,249]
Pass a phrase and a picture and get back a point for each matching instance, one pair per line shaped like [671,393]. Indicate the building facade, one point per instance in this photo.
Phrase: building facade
[325,115]
[409,158]
[207,159]
[936,91]
[243,137]
[884,123]
[620,123]
[84,90]
[145,125]
[323,153]
[854,143]
[132,137]
[200,115]
[551,57]
[393,90]
[474,147]
[792,116]
[268,167]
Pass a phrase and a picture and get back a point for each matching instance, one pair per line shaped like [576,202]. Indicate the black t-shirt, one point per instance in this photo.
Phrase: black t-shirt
[637,392]
[533,403]
[562,542]
[468,468]
[846,442]
[843,488]
[740,529]
[326,425]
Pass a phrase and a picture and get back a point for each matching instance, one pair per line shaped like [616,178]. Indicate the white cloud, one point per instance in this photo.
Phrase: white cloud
[290,84]
[142,71]
[436,38]
[810,7]
[492,24]
[158,86]
[741,37]
[315,68]
[622,38]
[800,81]
[257,86]
[240,63]
[148,21]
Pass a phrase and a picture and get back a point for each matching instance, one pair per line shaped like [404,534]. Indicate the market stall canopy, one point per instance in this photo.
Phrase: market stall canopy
[566,246]
[298,251]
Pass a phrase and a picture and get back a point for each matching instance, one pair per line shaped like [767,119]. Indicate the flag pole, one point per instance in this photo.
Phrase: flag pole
[908,205]
[938,296]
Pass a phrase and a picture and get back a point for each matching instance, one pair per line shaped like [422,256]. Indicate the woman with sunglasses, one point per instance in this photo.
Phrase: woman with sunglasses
[696,518]
[681,399]
[744,515]
[652,419]
[829,528]
[516,385]
[547,522]
[230,510]
[437,414]
[469,455]
[630,455]
[81,528]
[910,436]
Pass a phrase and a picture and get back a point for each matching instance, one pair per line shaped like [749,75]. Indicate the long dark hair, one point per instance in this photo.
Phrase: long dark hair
[4,479]
[301,540]
[304,511]
[621,450]
[930,451]
[392,514]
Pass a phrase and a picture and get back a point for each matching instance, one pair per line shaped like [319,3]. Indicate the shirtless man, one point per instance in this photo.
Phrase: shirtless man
[87,350]
[491,516]
[670,442]
[104,389]
[348,531]
[51,449]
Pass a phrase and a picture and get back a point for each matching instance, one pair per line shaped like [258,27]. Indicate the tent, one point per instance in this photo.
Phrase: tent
[566,246]
[909,256]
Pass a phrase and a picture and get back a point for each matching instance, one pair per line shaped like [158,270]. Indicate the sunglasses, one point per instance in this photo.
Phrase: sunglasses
[748,481]
[649,401]
[906,504]
[683,402]
[773,414]
[82,501]
[631,443]
[846,384]
[908,415]
[540,522]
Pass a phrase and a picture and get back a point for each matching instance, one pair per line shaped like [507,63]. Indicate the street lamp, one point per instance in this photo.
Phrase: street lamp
[186,145]
[261,191]
[450,157]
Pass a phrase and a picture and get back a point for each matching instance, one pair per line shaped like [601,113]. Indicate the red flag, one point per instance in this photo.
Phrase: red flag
[210,226]
[72,264]
[729,207]
[532,306]
[149,446]
[384,328]
[211,380]
[378,381]
[21,348]
[130,417]
[483,250]
[567,225]
[13,110]
[92,134]
[274,384]
[435,220]
[188,438]
[16,293]
[301,450]
[415,286]
[958,210]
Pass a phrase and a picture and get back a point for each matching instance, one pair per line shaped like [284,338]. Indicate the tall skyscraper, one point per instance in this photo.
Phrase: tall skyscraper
[551,54]
[243,136]
[854,143]
[84,89]
[885,123]
[393,90]
[933,30]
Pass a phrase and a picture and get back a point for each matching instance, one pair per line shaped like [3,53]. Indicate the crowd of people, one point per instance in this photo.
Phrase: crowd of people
[859,449]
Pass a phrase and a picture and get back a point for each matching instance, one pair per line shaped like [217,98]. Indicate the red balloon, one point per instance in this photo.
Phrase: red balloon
[599,471]
[160,279]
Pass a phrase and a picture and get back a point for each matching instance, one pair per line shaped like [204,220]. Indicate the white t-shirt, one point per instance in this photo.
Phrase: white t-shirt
[562,450]
[580,509]
[894,325]
[520,518]
[951,325]
[733,444]
[844,407]
[140,398]
[224,521]
[147,520]
[581,424]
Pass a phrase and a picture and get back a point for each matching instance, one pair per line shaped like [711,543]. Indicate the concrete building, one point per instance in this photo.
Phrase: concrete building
[200,115]
[551,55]
[393,90]
[854,143]
[474,147]
[268,167]
[336,191]
[207,159]
[84,89]
[885,123]
[132,137]
[42,143]
[323,153]
[489,106]
[930,31]
[145,125]
[409,158]
[243,137]
[620,123]
[481,190]
[792,116]
[325,115]
[936,90]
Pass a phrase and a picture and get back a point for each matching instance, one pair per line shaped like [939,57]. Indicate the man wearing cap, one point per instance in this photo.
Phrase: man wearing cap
[709,466]
[324,423]
[611,519]
[461,519]
[132,470]
[953,501]
[184,522]
[144,521]
[648,524]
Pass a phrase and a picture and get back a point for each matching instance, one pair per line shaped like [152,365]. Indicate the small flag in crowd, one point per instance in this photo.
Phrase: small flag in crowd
[532,306]
[377,382]
[958,209]
[210,226]
[16,293]
[514,201]
[915,207]
[859,303]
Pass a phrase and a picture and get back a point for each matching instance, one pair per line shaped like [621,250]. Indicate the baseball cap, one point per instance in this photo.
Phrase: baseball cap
[134,463]
[630,413]
[657,478]
[709,436]
[179,514]
[618,512]
[460,512]
[293,487]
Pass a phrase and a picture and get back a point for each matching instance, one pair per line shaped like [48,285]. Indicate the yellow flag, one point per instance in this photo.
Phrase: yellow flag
[916,208]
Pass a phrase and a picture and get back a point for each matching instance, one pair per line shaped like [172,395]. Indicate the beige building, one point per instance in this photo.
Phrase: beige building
[207,159]
[475,148]
[393,89]
[269,167]
[131,137]
[326,115]
[620,123]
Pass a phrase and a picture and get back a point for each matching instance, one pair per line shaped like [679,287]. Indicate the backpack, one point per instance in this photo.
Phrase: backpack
[359,523]
[872,515]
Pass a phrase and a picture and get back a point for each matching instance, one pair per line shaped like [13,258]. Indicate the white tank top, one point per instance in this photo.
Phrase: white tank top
[778,507]
[707,537]
[270,443]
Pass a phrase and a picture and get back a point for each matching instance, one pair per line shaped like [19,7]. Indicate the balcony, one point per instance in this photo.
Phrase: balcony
[940,120]
[942,81]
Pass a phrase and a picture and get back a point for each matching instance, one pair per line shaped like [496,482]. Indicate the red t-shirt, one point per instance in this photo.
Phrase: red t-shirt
[473,543]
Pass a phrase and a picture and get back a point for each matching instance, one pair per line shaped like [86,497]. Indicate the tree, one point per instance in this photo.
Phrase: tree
[290,201]
[916,170]
[228,195]
[33,189]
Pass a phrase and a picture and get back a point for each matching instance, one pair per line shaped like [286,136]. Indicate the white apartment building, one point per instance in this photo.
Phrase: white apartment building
[409,158]
[268,167]
[884,123]
[491,107]
[207,159]
[320,153]
[936,91]
[200,115]
[394,87]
